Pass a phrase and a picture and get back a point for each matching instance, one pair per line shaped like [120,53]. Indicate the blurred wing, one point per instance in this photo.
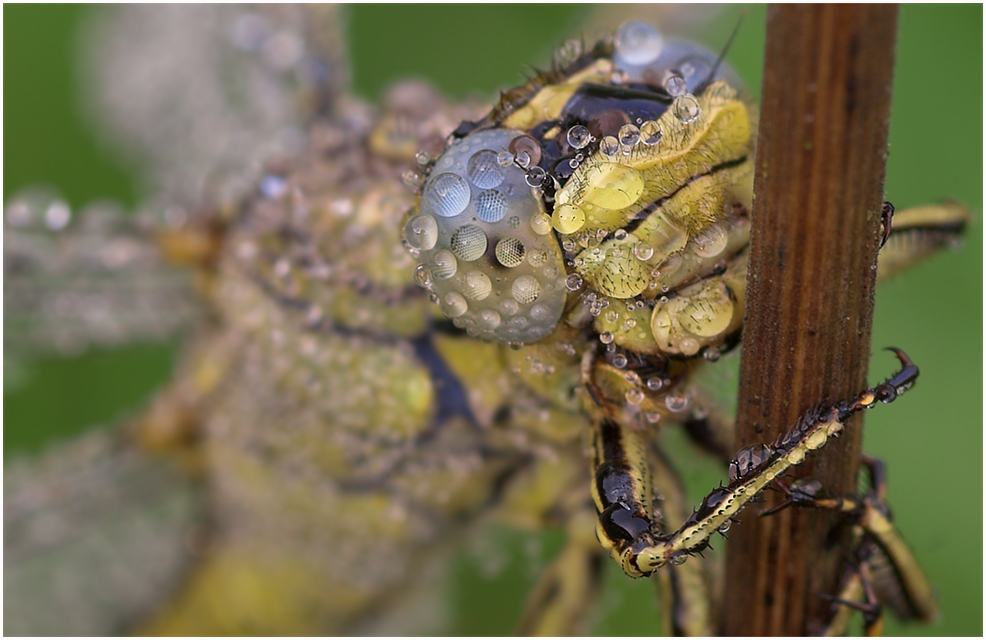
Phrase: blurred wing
[94,535]
[196,93]
[97,280]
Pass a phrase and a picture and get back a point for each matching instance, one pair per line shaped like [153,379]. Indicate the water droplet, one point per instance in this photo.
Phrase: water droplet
[573,282]
[643,251]
[529,147]
[526,289]
[509,307]
[445,265]
[686,108]
[653,417]
[579,136]
[655,383]
[541,223]
[638,43]
[491,206]
[605,337]
[510,252]
[609,146]
[468,242]
[422,277]
[712,354]
[619,361]
[504,158]
[679,559]
[537,257]
[724,527]
[484,171]
[675,403]
[567,53]
[711,242]
[651,132]
[568,219]
[629,135]
[421,233]
[447,195]
[634,396]
[422,158]
[540,313]
[478,285]
[489,318]
[535,177]
[454,305]
[412,179]
[620,234]
[675,84]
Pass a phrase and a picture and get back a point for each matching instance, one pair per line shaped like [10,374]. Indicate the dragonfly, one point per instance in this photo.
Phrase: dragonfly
[875,429]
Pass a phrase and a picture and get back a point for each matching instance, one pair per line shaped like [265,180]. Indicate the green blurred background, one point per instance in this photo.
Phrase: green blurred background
[931,441]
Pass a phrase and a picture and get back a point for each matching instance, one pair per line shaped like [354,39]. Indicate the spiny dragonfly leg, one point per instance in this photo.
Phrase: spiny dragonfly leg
[621,487]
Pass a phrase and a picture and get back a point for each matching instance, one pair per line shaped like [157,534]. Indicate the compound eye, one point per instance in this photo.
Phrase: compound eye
[484,240]
[642,54]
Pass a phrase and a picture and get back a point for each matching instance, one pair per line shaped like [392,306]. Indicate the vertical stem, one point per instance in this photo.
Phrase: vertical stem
[820,167]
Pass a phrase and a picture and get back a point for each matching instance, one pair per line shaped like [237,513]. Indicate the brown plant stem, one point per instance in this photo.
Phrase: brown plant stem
[821,158]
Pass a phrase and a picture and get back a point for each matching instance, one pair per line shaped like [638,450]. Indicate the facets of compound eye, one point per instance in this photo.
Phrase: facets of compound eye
[421,232]
[528,145]
[573,282]
[567,219]
[454,305]
[526,289]
[489,318]
[444,265]
[535,177]
[609,146]
[422,276]
[447,195]
[469,242]
[629,135]
[637,43]
[674,84]
[541,223]
[686,108]
[614,186]
[478,285]
[484,171]
[510,252]
[651,132]
[578,137]
[491,206]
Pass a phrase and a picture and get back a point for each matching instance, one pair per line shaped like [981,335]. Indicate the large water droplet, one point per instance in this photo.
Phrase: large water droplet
[609,146]
[478,285]
[579,136]
[629,135]
[651,132]
[491,206]
[484,171]
[469,242]
[445,265]
[454,305]
[638,43]
[447,195]
[573,282]
[526,289]
[510,252]
[675,84]
[421,233]
[686,108]
[535,177]
[567,219]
